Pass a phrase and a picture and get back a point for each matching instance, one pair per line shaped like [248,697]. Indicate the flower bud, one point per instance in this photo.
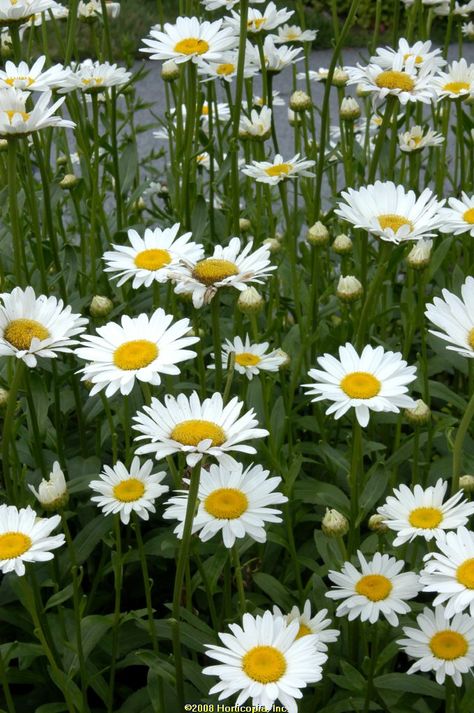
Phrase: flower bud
[3,145]
[419,256]
[361,91]
[138,205]
[3,398]
[272,244]
[280,353]
[69,181]
[300,101]
[342,244]
[250,301]
[318,234]
[334,524]
[350,110]
[294,119]
[169,71]
[340,77]
[466,483]
[419,415]
[100,306]
[244,225]
[52,494]
[376,523]
[349,289]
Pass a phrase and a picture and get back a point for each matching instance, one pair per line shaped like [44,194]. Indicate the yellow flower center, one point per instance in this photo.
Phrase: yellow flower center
[191,46]
[448,645]
[374,586]
[264,664]
[93,80]
[247,359]
[456,87]
[304,630]
[129,490]
[11,81]
[291,35]
[470,338]
[360,385]
[135,354]
[418,58]
[11,113]
[393,221]
[214,270]
[391,79]
[21,332]
[226,503]
[468,216]
[205,110]
[425,518]
[465,574]
[13,544]
[225,69]
[192,432]
[152,259]
[256,23]
[280,169]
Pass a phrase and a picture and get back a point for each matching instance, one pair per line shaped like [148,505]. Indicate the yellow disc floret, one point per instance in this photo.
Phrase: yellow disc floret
[264,664]
[135,354]
[214,270]
[13,544]
[152,259]
[192,432]
[226,503]
[21,332]
[127,491]
[374,586]
[360,385]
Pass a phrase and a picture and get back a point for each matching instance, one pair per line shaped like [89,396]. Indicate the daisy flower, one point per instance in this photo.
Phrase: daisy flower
[226,4]
[12,13]
[18,120]
[387,211]
[232,501]
[374,381]
[421,52]
[258,126]
[416,139]
[227,267]
[293,33]
[226,67]
[377,589]
[422,512]
[258,21]
[455,317]
[273,172]
[183,424]
[190,39]
[125,490]
[250,359]
[140,348]
[150,258]
[23,77]
[276,57]
[450,572]
[459,217]
[92,77]
[440,645]
[263,660]
[444,8]
[52,494]
[32,327]
[402,80]
[93,8]
[457,82]
[25,537]
[311,625]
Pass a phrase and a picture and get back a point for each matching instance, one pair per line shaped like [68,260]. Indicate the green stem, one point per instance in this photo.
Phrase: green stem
[373,292]
[13,206]
[116,621]
[355,475]
[239,580]
[189,143]
[5,686]
[234,147]
[8,426]
[216,335]
[459,442]
[387,116]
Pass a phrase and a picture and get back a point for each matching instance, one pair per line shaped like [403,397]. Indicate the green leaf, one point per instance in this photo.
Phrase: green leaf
[373,490]
[60,597]
[319,493]
[410,684]
[274,589]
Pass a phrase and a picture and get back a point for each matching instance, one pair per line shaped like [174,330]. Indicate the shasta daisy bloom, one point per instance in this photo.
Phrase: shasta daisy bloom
[422,512]
[92,77]
[421,52]
[468,30]
[273,172]
[459,217]
[263,660]
[402,80]
[441,645]
[258,126]
[17,11]
[387,211]
[32,327]
[293,33]
[261,21]
[450,572]
[231,501]
[378,589]
[374,381]
[23,77]
[125,490]
[250,359]
[416,139]
[24,537]
[455,317]
[226,67]
[187,425]
[140,348]
[311,625]
[444,8]
[229,266]
[276,57]
[226,4]
[150,258]
[190,39]
[457,82]
[52,493]
[18,120]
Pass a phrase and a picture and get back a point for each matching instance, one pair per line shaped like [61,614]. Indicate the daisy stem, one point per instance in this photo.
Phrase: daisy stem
[355,474]
[147,588]
[230,376]
[116,621]
[179,577]
[94,194]
[387,116]
[239,86]
[13,207]
[71,30]
[460,143]
[8,426]
[110,420]
[459,443]
[239,579]
[6,688]
[189,142]
[216,334]
[373,661]
[374,291]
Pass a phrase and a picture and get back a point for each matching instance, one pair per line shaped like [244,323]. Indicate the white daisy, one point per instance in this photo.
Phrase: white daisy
[377,589]
[387,211]
[25,537]
[140,348]
[259,102]
[185,425]
[150,258]
[93,8]
[226,4]
[416,139]
[126,490]
[258,126]
[457,82]
[227,267]
[316,625]
[263,660]
[273,172]
[459,217]
[190,39]
[276,57]
[250,359]
[468,30]
[450,572]
[226,67]
[15,11]
[32,327]
[421,52]
[402,80]
[444,8]
[455,317]
[440,645]
[374,381]
[422,512]
[232,501]
[33,79]
[293,33]
[92,77]
[17,119]
[52,493]
[261,21]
